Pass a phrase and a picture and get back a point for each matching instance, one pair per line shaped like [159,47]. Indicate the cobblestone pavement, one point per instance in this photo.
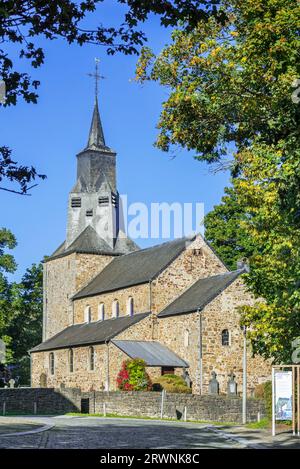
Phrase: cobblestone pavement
[92,432]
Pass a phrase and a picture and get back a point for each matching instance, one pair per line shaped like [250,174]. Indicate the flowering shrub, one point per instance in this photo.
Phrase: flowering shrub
[133,376]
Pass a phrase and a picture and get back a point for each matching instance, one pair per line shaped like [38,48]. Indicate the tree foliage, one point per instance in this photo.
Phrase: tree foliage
[21,308]
[230,92]
[231,82]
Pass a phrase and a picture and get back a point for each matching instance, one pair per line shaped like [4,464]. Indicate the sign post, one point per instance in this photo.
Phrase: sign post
[286,396]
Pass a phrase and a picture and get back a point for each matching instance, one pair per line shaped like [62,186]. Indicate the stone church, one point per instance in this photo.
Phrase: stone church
[105,300]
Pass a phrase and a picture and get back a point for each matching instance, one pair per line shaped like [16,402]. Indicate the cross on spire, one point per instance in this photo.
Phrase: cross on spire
[96,139]
[96,76]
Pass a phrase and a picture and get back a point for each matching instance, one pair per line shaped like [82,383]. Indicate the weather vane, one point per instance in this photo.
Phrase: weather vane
[96,76]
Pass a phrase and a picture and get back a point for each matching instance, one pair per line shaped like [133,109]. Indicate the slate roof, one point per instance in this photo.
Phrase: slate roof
[89,242]
[200,294]
[134,268]
[91,333]
[154,353]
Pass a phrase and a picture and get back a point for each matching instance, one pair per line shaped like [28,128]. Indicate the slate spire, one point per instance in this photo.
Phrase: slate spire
[96,135]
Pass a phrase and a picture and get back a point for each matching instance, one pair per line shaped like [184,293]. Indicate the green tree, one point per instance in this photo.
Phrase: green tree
[230,93]
[229,82]
[225,232]
[270,238]
[25,327]
[7,265]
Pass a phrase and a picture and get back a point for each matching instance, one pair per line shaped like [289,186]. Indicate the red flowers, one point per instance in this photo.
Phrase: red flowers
[123,379]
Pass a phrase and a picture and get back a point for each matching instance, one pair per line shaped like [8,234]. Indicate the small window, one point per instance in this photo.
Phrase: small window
[71,360]
[89,213]
[225,337]
[76,202]
[197,252]
[115,309]
[103,201]
[186,339]
[92,358]
[51,363]
[101,312]
[114,199]
[88,314]
[130,306]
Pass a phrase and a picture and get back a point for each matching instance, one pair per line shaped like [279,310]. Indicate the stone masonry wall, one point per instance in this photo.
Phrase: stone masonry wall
[141,404]
[197,261]
[220,314]
[63,277]
[139,293]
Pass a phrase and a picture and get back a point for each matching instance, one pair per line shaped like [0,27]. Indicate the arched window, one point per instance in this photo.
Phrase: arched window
[225,337]
[130,306]
[101,312]
[115,309]
[88,314]
[71,360]
[51,363]
[186,338]
[91,358]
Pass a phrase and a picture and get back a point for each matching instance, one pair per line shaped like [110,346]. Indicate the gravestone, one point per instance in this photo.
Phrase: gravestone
[213,387]
[185,375]
[11,383]
[231,385]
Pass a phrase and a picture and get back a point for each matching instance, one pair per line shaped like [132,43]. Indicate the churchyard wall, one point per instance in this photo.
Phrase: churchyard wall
[135,404]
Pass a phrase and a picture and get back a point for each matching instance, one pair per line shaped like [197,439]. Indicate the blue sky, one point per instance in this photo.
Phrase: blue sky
[49,134]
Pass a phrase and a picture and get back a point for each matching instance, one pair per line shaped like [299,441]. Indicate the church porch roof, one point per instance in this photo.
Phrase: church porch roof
[153,353]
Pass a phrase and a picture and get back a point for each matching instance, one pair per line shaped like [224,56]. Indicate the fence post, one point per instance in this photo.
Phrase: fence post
[184,413]
[4,408]
[162,404]
[104,409]
[35,408]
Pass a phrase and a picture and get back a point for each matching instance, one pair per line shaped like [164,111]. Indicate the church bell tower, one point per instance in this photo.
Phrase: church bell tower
[94,199]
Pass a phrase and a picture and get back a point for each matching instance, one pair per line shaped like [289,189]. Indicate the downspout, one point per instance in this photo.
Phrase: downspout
[200,353]
[107,366]
[30,356]
[73,312]
[150,296]
[150,308]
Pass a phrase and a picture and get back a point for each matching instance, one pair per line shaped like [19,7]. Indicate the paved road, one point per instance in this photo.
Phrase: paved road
[93,432]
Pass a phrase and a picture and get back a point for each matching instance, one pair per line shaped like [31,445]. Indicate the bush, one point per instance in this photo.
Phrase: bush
[264,391]
[133,376]
[171,383]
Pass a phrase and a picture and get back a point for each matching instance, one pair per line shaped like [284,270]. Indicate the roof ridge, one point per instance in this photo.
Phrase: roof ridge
[162,244]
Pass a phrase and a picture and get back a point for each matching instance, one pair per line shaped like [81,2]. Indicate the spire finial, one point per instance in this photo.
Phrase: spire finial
[96,136]
[96,76]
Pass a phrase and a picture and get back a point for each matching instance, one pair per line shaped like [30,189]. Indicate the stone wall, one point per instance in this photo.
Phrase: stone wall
[141,404]
[63,277]
[139,293]
[197,261]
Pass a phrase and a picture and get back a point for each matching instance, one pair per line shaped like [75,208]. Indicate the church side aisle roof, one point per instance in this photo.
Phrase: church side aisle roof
[134,268]
[89,333]
[200,294]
